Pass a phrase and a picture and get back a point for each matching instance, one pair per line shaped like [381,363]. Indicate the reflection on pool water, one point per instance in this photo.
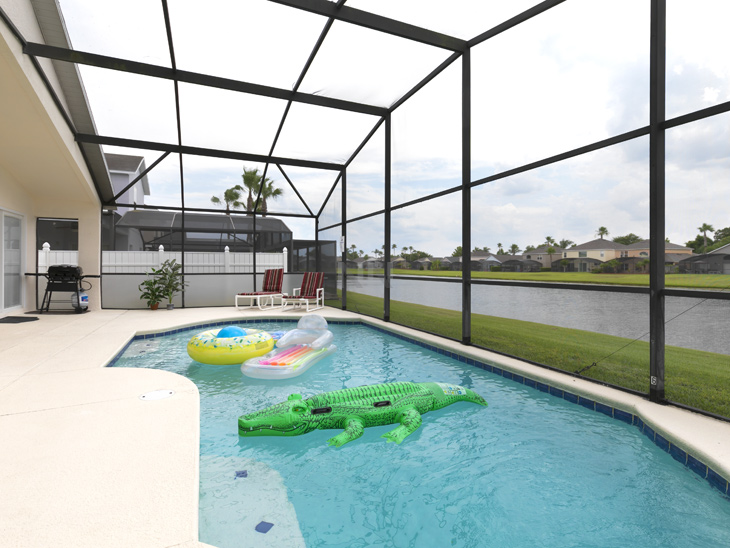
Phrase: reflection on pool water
[529,470]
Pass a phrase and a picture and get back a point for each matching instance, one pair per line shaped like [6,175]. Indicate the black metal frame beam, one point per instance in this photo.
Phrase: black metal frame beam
[198,151]
[201,210]
[387,219]
[140,176]
[329,194]
[157,71]
[466,197]
[343,252]
[435,72]
[633,134]
[657,89]
[377,22]
[173,62]
[294,188]
[514,21]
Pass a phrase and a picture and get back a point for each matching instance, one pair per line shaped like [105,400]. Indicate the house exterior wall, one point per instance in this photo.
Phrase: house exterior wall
[602,255]
[644,252]
[33,129]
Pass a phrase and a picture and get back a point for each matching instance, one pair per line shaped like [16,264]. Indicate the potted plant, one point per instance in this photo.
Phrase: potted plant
[170,280]
[152,291]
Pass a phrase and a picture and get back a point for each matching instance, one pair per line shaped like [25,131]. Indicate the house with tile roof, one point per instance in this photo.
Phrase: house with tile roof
[588,256]
[541,255]
[599,249]
[641,249]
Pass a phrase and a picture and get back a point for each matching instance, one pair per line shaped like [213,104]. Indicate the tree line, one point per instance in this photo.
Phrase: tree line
[701,244]
[261,189]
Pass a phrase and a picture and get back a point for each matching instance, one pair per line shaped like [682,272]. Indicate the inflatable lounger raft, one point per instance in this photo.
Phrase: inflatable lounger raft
[295,352]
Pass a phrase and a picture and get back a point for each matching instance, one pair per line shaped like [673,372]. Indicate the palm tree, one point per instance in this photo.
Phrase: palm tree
[251,180]
[602,231]
[551,252]
[352,252]
[268,191]
[705,228]
[255,186]
[514,249]
[549,240]
[231,197]
[565,243]
[499,249]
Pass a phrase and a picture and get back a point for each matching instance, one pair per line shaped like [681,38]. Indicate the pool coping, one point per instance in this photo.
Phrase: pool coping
[616,410]
[55,388]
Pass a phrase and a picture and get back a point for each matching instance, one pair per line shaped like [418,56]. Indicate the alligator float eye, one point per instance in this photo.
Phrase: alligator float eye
[299,408]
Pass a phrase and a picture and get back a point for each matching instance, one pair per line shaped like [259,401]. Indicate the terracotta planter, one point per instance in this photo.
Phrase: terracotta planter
[154,306]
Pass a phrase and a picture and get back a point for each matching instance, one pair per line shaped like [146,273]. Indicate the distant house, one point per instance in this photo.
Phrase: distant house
[521,265]
[123,169]
[707,263]
[374,263]
[447,263]
[575,264]
[598,249]
[398,262]
[672,260]
[641,249]
[423,263]
[454,263]
[483,262]
[354,263]
[541,255]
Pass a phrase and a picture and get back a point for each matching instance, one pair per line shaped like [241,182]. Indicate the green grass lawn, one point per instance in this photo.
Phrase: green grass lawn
[692,377]
[694,281]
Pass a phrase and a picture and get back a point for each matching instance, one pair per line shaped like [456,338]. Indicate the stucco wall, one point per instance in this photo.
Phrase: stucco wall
[42,170]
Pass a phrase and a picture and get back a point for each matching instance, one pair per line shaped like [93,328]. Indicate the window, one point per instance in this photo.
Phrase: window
[582,254]
[11,261]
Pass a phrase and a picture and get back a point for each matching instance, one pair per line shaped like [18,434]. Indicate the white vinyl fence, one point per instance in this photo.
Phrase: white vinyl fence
[47,258]
[140,262]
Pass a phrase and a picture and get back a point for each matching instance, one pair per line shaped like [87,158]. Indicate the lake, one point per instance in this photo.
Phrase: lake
[691,322]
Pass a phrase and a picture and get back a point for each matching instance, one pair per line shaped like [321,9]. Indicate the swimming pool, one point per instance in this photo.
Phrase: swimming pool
[531,469]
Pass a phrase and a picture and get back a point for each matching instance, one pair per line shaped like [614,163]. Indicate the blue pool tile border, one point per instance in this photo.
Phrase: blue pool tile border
[680,455]
[715,479]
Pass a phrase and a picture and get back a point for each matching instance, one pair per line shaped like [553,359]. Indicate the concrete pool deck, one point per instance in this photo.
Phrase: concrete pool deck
[86,462]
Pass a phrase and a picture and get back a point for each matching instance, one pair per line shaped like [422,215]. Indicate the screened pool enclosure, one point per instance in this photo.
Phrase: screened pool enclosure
[447,132]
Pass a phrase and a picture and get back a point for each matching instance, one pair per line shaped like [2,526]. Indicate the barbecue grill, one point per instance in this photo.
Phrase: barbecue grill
[65,278]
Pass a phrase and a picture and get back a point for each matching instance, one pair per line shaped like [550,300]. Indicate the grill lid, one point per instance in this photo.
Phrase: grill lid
[65,272]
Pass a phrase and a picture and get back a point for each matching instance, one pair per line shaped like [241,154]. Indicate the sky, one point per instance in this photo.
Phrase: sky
[571,76]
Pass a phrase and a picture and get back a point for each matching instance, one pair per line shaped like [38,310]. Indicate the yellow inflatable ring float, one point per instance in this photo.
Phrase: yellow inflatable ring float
[229,345]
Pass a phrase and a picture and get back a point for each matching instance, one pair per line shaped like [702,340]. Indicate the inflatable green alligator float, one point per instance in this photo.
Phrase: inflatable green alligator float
[353,409]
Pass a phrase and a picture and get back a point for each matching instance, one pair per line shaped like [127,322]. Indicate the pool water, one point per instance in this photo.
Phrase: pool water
[529,470]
